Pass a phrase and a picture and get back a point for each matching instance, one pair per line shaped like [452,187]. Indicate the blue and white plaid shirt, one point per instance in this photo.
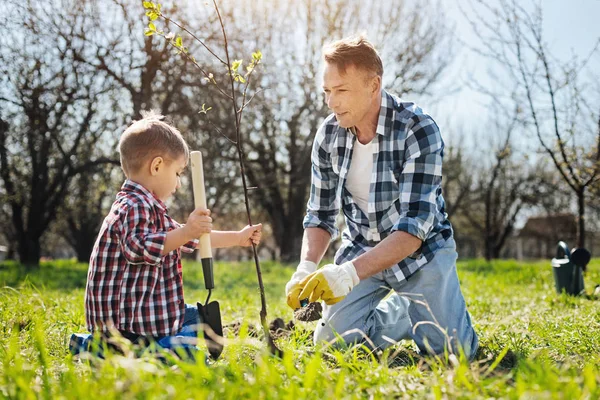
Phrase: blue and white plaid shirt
[405,192]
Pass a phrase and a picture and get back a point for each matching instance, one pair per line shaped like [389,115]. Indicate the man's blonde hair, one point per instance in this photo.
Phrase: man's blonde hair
[356,51]
[148,138]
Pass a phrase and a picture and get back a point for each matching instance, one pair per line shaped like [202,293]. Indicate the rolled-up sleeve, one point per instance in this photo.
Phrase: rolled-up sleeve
[190,246]
[141,243]
[421,178]
[323,204]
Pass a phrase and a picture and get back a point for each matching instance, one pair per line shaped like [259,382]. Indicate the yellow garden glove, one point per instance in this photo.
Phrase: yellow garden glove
[331,283]
[293,288]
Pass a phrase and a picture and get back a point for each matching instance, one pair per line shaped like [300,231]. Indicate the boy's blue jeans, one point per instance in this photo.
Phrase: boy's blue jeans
[417,308]
[185,340]
[188,332]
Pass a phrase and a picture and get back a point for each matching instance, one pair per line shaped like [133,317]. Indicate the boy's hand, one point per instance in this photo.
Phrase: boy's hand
[198,223]
[250,234]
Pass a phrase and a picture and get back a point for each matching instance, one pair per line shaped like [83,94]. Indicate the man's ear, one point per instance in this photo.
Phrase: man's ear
[156,164]
[376,84]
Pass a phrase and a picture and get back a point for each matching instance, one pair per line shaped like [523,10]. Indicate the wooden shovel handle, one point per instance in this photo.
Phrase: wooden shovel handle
[200,198]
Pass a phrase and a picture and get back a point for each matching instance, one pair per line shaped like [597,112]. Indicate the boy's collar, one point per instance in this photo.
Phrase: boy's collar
[133,186]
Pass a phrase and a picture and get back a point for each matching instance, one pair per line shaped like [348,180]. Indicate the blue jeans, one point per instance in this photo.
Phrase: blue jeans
[428,308]
[188,333]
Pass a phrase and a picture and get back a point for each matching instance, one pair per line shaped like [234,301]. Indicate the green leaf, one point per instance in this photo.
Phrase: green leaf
[153,16]
[179,41]
[236,64]
[152,27]
[148,4]
[204,109]
[148,32]
[257,56]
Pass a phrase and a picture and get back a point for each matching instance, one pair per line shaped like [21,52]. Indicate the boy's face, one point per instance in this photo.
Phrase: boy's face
[166,176]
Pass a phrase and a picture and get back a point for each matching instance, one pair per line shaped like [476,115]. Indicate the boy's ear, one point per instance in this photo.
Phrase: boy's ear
[156,164]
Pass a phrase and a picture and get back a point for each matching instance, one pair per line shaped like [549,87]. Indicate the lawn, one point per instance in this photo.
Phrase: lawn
[535,343]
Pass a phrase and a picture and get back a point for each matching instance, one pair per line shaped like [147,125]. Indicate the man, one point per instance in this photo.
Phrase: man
[380,160]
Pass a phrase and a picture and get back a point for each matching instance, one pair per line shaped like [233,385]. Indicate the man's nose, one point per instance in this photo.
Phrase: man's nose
[332,102]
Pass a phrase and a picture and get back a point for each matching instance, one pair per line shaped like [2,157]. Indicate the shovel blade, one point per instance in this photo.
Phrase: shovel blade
[210,315]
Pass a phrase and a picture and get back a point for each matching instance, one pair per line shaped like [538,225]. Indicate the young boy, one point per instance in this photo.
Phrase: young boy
[134,280]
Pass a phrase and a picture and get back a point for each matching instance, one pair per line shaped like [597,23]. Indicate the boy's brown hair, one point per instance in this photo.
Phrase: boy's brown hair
[148,138]
[356,51]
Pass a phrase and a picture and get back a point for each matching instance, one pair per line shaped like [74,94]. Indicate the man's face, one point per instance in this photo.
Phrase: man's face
[350,95]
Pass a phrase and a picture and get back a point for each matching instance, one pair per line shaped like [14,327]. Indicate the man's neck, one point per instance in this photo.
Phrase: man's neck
[365,131]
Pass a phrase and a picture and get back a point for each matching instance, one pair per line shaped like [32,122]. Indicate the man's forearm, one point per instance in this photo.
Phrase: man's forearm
[314,244]
[393,249]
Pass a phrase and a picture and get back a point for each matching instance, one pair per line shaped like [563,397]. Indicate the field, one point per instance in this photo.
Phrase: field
[534,343]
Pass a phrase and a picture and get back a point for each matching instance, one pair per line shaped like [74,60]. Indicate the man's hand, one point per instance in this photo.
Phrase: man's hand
[292,288]
[250,235]
[331,283]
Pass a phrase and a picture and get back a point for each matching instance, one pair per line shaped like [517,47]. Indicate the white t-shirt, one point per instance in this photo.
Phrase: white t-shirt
[358,180]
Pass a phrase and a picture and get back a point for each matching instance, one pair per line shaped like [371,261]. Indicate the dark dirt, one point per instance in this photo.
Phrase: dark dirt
[310,312]
[278,329]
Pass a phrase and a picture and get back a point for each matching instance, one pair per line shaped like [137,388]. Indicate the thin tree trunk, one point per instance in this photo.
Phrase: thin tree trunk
[581,218]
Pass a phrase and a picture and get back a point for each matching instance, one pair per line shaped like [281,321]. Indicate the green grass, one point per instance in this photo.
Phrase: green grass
[535,343]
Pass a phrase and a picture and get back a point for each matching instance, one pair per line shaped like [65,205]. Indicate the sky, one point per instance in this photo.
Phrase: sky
[569,28]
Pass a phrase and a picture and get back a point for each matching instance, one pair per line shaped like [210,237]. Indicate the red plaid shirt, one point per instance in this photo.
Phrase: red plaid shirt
[130,285]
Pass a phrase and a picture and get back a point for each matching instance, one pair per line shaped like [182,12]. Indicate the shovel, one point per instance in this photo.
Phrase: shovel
[210,313]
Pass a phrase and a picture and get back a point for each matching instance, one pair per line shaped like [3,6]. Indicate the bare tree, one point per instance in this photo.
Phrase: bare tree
[501,190]
[552,92]
[51,111]
[458,180]
[83,211]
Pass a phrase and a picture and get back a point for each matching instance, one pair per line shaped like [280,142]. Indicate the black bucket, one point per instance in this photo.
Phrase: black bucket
[568,277]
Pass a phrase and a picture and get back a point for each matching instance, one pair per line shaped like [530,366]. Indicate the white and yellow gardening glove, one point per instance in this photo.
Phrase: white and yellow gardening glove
[331,283]
[293,288]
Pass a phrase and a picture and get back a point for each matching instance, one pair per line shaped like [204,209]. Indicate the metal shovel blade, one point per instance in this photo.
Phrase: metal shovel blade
[210,315]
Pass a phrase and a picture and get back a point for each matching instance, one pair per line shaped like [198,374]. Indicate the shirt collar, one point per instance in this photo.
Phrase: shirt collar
[386,111]
[130,186]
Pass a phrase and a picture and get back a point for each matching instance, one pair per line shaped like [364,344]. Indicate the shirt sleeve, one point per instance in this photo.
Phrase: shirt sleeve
[190,246]
[141,243]
[323,205]
[421,178]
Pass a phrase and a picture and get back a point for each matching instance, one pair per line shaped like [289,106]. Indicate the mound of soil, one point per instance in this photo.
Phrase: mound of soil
[310,312]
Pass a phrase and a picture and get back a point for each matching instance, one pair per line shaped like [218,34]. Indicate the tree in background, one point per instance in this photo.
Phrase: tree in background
[51,107]
[502,191]
[560,109]
[83,211]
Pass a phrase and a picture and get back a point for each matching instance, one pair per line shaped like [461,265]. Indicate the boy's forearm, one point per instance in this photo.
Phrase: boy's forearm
[175,239]
[220,239]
